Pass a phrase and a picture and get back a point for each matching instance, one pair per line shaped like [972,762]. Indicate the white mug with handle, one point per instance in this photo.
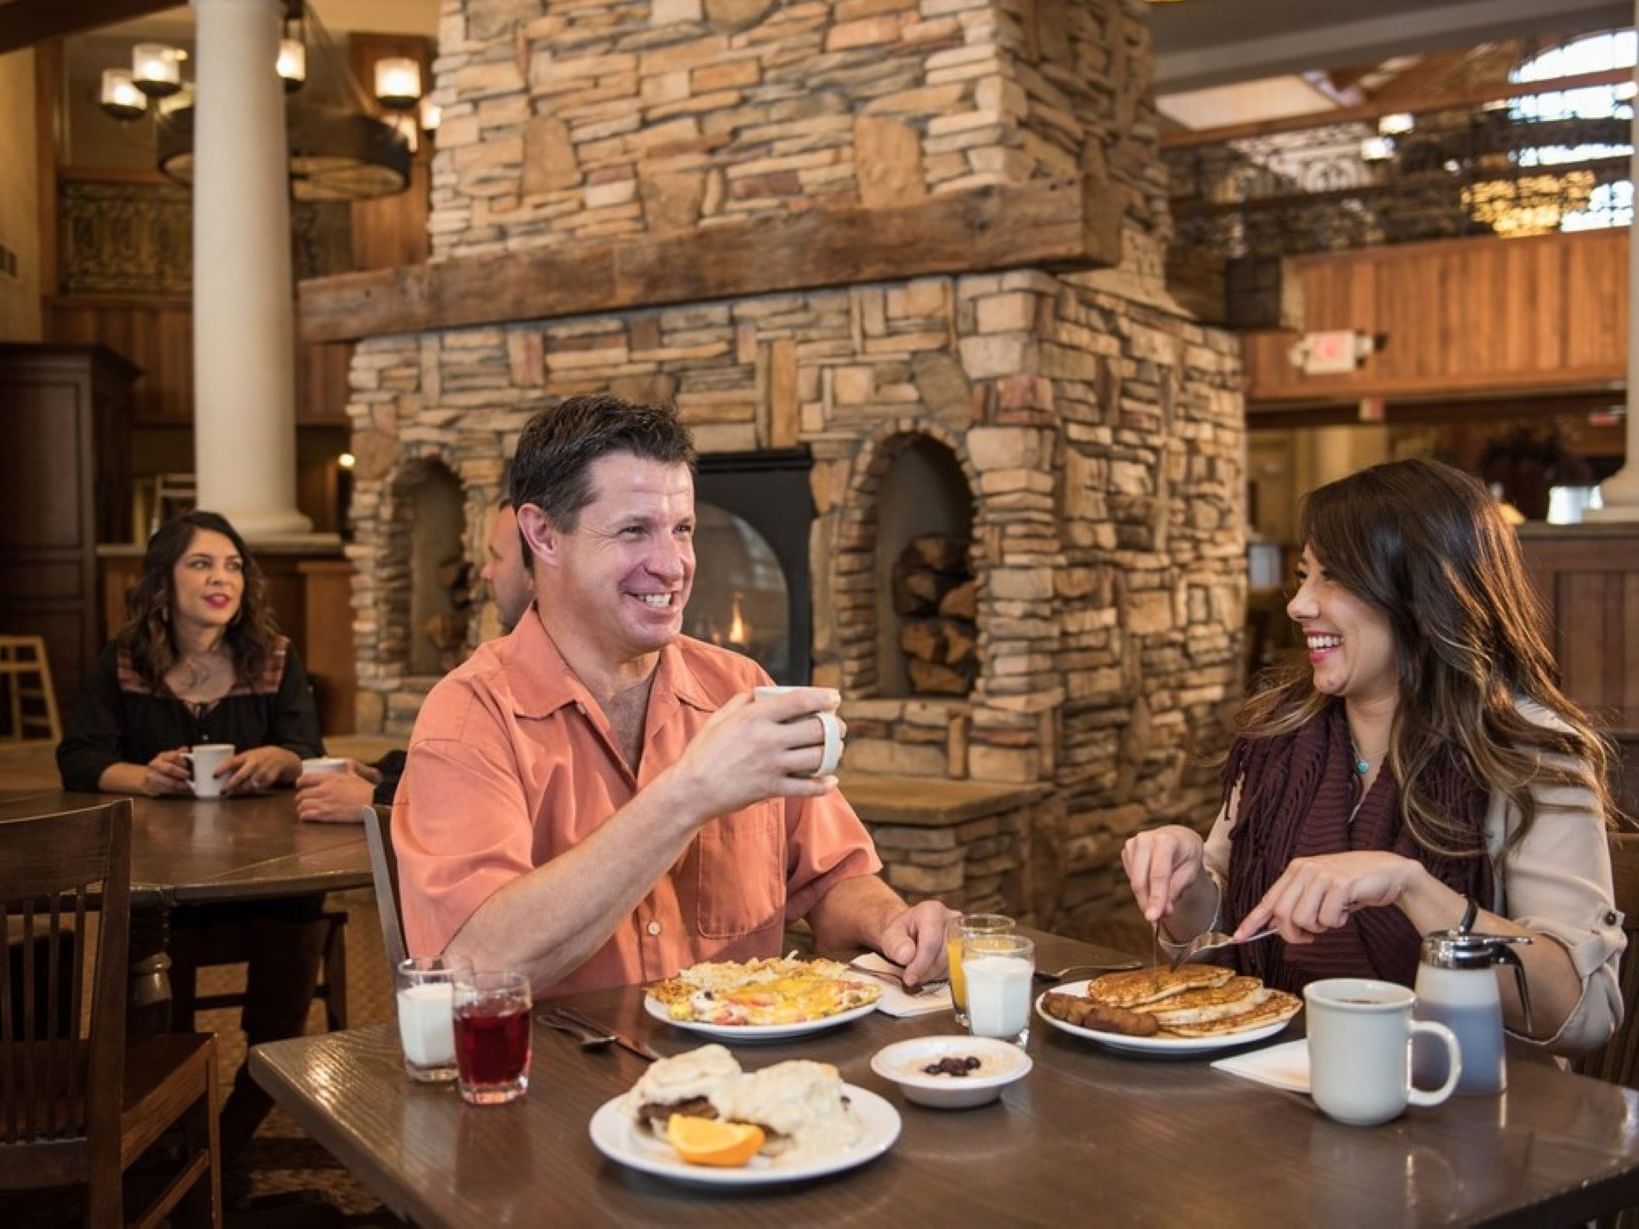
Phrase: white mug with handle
[1360,1032]
[205,759]
[830,724]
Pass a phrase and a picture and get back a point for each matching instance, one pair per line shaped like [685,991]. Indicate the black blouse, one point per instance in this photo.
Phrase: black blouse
[118,718]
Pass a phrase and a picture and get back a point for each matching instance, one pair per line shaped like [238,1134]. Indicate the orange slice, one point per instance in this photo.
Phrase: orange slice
[706,1141]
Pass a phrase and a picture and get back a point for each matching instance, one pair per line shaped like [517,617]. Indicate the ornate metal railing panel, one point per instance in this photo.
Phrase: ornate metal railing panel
[1484,169]
[135,237]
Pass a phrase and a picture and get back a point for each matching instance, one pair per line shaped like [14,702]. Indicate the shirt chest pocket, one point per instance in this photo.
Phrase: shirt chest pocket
[741,872]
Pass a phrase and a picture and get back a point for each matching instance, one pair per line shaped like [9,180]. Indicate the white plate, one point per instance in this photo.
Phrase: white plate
[1174,1046]
[756,1032]
[620,1139]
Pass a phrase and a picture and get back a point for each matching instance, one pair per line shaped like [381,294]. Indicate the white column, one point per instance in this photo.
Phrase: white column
[243,311]
[1620,492]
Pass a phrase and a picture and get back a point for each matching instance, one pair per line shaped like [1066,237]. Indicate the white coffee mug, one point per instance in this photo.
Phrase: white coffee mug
[206,759]
[831,753]
[324,763]
[1360,1033]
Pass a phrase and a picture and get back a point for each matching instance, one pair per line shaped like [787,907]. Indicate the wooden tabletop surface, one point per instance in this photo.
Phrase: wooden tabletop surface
[202,850]
[1087,1137]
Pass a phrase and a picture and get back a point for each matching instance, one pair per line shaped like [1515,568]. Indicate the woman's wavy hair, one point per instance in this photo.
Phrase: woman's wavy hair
[148,634]
[1424,544]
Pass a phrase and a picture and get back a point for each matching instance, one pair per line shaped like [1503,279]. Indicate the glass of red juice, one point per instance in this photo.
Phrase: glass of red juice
[491,1035]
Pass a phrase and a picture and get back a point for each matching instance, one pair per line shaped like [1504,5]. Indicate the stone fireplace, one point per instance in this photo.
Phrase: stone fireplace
[917,243]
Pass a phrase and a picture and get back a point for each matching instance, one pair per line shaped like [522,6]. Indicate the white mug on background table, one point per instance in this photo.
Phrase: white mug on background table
[206,758]
[1360,1033]
[831,755]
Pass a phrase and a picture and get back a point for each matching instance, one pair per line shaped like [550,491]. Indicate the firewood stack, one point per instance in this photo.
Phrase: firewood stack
[935,592]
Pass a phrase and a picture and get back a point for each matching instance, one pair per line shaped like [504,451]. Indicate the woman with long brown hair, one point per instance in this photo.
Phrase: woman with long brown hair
[200,660]
[1423,758]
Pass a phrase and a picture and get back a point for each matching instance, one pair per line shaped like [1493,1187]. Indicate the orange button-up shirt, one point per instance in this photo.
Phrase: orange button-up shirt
[512,763]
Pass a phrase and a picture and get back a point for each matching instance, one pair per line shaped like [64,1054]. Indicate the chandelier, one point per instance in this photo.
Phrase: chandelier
[339,150]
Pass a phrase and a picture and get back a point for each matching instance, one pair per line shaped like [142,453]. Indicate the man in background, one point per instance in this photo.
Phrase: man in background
[336,797]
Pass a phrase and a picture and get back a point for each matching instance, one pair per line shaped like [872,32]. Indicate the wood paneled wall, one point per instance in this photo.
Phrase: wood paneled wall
[157,336]
[1588,577]
[1459,316]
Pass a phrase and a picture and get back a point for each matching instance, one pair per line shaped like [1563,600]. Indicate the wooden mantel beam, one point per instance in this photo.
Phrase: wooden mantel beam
[1066,225]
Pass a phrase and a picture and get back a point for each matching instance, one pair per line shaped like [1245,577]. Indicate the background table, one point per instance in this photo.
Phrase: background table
[1088,1136]
[211,851]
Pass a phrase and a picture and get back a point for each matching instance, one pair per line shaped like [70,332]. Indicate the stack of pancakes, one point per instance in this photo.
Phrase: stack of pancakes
[1193,1000]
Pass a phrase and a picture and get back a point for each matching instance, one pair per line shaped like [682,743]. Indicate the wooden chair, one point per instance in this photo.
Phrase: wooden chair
[378,834]
[1618,1061]
[25,679]
[80,1110]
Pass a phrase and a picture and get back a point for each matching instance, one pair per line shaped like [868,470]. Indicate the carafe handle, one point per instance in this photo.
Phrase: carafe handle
[1503,953]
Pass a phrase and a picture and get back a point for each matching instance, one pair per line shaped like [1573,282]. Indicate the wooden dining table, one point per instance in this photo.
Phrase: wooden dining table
[1089,1136]
[197,851]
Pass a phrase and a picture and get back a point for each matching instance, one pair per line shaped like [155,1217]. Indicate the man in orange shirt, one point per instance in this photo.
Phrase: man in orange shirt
[596,799]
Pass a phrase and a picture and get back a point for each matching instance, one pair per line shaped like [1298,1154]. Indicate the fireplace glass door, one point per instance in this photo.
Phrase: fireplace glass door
[753,513]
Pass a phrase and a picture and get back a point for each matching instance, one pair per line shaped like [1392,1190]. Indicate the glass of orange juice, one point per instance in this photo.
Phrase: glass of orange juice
[961,928]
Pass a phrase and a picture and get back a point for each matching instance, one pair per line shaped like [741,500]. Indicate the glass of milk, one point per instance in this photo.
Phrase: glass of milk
[426,1016]
[998,969]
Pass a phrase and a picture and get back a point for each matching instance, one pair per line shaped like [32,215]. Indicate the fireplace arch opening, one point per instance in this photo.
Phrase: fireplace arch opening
[926,592]
[440,576]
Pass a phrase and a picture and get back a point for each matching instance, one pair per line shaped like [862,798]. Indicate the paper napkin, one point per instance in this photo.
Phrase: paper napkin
[1285,1066]
[898,1002]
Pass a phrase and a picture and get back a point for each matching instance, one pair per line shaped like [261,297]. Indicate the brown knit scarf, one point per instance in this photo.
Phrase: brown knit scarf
[1297,791]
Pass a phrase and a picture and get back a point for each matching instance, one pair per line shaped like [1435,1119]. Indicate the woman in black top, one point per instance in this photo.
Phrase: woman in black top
[200,660]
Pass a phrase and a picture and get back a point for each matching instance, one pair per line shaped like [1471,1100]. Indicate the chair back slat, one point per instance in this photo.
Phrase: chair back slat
[76,1007]
[31,1085]
[378,835]
[8,1042]
[59,1079]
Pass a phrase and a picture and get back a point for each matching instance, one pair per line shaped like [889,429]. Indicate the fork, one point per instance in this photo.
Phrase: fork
[590,1039]
[1207,941]
[898,979]
[1071,970]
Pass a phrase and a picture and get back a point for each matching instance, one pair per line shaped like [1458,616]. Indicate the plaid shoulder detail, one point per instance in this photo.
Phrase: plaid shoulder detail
[272,674]
[129,680]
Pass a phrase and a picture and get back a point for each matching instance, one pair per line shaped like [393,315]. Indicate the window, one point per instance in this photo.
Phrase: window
[1599,198]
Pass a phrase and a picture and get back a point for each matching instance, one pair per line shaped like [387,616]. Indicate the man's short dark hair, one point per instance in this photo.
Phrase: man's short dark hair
[557,448]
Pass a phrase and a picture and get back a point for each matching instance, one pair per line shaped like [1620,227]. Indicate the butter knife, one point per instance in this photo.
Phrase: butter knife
[624,1040]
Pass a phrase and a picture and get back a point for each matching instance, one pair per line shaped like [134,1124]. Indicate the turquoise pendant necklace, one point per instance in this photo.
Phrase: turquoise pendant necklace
[1361,764]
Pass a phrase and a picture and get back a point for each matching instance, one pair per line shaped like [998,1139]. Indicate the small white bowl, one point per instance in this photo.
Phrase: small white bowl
[1001,1063]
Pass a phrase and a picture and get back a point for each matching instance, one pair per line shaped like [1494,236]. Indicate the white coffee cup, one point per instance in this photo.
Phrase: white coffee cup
[1360,1033]
[324,763]
[831,753]
[206,759]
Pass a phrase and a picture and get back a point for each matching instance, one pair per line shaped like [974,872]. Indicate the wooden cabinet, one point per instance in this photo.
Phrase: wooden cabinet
[65,475]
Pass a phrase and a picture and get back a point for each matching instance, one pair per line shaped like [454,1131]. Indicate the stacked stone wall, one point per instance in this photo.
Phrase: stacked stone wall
[1098,428]
[568,120]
